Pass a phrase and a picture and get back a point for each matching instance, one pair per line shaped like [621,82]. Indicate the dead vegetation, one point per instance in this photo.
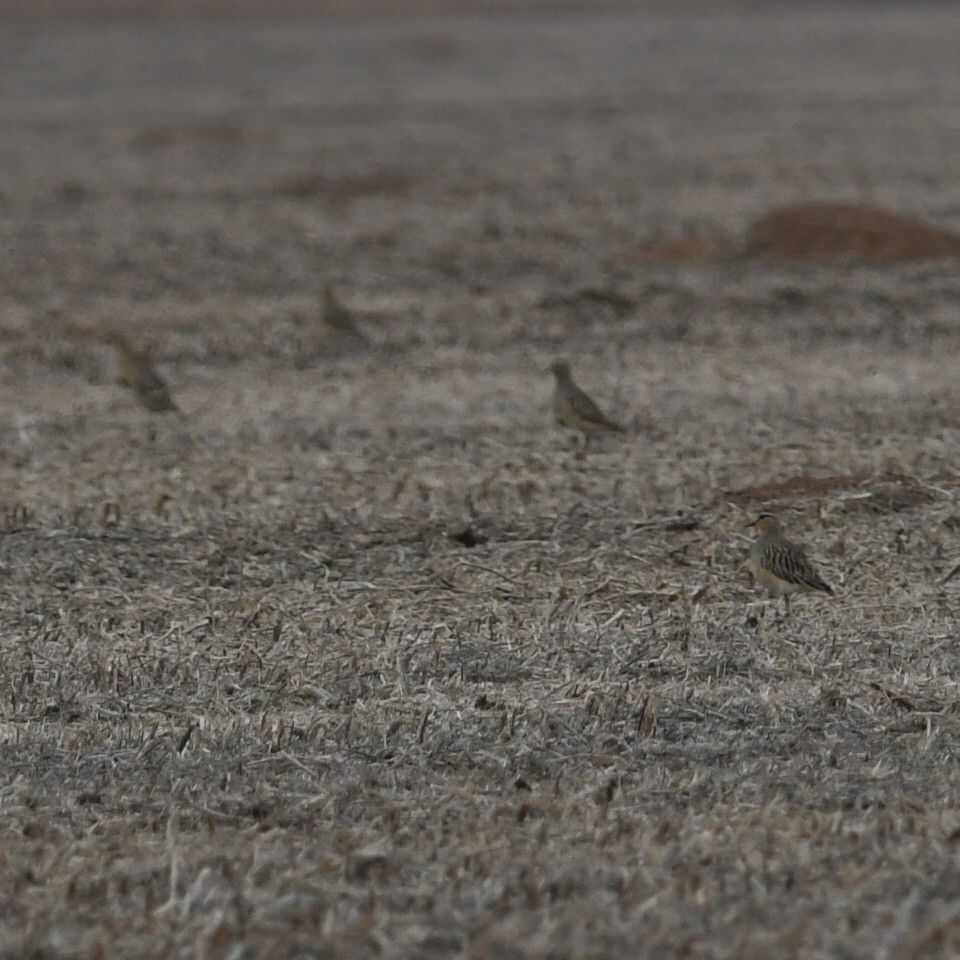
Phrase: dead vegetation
[362,656]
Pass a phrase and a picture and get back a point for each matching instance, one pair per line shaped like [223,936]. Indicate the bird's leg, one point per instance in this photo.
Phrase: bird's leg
[786,600]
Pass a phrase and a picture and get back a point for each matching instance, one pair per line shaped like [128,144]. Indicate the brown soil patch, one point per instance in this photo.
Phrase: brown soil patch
[683,250]
[310,185]
[794,487]
[825,230]
[888,493]
[819,231]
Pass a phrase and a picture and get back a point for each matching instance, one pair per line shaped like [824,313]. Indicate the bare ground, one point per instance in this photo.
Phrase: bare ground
[362,656]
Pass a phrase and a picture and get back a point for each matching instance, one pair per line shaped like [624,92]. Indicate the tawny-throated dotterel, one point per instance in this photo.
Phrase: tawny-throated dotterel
[781,565]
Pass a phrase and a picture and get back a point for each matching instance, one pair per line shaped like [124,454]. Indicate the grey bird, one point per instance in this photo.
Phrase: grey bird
[135,370]
[574,409]
[337,317]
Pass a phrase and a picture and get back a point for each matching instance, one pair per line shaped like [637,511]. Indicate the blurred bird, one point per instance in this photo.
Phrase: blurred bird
[573,408]
[337,316]
[781,565]
[135,371]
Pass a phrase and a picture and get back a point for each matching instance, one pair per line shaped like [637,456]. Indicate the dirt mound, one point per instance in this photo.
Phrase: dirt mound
[827,230]
[815,231]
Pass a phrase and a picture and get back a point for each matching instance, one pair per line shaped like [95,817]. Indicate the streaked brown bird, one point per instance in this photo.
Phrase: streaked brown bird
[135,370]
[781,565]
[574,409]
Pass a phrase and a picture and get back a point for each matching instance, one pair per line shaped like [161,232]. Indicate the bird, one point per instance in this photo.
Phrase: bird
[574,409]
[337,317]
[135,370]
[781,565]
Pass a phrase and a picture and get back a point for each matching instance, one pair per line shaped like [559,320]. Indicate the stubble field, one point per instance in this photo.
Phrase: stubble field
[362,656]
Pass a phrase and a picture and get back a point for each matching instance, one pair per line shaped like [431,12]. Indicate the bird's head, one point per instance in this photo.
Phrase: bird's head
[766,523]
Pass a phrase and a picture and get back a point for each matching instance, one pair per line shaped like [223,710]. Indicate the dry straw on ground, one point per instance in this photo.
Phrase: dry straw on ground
[362,656]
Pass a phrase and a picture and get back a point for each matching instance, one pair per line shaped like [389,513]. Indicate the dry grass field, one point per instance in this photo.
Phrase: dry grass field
[362,656]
